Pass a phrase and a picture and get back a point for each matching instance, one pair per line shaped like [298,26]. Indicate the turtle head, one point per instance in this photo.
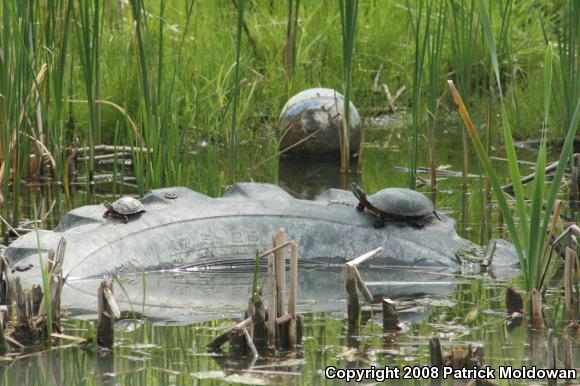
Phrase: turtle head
[358,192]
[107,205]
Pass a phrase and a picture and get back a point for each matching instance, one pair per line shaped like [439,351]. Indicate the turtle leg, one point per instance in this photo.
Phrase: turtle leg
[360,207]
[379,222]
[106,214]
[125,218]
[417,224]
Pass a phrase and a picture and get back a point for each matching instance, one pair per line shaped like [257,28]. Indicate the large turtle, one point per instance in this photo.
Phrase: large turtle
[396,204]
[123,208]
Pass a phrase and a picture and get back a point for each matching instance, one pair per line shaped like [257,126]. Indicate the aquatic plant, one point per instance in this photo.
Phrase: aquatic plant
[233,137]
[567,74]
[291,35]
[421,40]
[434,49]
[464,32]
[87,27]
[530,237]
[159,133]
[348,15]
[164,74]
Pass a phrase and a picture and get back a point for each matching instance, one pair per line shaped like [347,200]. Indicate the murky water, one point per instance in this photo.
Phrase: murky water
[175,355]
[461,310]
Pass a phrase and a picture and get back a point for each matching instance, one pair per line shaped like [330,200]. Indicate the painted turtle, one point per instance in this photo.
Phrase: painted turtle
[123,208]
[396,204]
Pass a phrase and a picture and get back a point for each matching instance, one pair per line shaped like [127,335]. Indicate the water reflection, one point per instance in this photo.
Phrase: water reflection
[158,354]
[186,297]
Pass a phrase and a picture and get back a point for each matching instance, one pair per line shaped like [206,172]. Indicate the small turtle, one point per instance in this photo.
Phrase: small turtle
[396,204]
[123,208]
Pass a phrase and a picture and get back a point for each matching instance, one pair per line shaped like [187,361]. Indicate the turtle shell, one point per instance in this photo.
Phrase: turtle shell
[127,205]
[400,202]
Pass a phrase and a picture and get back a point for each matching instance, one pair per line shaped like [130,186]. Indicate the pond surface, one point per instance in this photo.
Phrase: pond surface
[461,309]
[176,355]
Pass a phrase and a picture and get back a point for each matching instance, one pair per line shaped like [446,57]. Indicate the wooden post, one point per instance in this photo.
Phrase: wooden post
[271,302]
[352,303]
[362,286]
[259,330]
[352,266]
[436,353]
[568,356]
[107,312]
[391,320]
[250,342]
[364,257]
[3,346]
[280,264]
[575,185]
[536,308]
[569,283]
[551,355]
[292,333]
[4,281]
[514,301]
[478,354]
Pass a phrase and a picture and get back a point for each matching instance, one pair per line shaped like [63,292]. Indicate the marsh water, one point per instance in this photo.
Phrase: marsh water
[465,309]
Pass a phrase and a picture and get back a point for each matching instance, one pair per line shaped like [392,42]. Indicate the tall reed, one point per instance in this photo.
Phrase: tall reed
[159,130]
[233,143]
[57,32]
[434,57]
[291,36]
[88,33]
[568,70]
[348,15]
[421,37]
[464,32]
[21,105]
[530,237]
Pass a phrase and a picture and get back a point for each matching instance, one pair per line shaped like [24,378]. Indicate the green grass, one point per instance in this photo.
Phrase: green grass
[187,72]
